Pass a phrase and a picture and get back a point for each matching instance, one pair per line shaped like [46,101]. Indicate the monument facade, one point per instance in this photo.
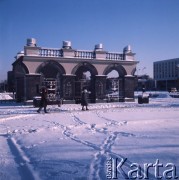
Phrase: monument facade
[69,70]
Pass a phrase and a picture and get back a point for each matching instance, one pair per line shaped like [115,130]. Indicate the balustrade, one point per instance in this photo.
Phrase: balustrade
[114,56]
[47,52]
[84,54]
[50,52]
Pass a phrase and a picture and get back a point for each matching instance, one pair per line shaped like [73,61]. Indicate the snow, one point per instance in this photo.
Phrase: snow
[68,143]
[6,96]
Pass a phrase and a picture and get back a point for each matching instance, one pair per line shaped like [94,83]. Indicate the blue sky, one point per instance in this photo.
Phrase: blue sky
[151,27]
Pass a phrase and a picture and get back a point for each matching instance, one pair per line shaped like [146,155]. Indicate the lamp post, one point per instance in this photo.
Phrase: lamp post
[137,79]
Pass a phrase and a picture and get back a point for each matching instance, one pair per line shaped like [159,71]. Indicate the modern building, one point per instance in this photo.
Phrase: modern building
[3,86]
[166,74]
[67,71]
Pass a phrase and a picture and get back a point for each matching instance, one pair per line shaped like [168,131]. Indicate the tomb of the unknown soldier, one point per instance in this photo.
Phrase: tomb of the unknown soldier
[66,71]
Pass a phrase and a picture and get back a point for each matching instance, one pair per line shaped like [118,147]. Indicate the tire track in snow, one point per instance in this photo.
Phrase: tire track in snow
[15,117]
[25,168]
[4,175]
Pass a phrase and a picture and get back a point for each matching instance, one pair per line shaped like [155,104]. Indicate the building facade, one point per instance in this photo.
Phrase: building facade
[66,67]
[166,74]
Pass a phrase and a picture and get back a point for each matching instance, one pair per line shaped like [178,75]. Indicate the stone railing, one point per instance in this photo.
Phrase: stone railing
[84,54]
[114,56]
[47,52]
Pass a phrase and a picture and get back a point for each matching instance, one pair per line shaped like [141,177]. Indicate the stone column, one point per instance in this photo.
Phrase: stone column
[121,89]
[31,86]
[19,86]
[68,84]
[130,84]
[100,88]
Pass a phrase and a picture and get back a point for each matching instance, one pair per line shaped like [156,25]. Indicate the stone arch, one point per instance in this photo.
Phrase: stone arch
[50,69]
[20,69]
[133,71]
[85,66]
[117,84]
[120,69]
[81,81]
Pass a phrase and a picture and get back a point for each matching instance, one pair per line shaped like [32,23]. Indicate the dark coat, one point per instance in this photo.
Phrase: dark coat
[43,101]
[84,98]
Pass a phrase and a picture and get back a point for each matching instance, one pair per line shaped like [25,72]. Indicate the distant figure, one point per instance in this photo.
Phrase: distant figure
[43,101]
[84,99]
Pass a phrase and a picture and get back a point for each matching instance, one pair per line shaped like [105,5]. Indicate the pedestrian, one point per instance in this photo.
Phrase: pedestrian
[43,101]
[84,99]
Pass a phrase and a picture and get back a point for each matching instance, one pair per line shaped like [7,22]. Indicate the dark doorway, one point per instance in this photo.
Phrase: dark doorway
[83,80]
[85,77]
[115,83]
[112,86]
[51,78]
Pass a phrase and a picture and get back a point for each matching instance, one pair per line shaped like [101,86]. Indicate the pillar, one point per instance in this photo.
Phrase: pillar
[68,84]
[121,89]
[19,88]
[100,88]
[129,88]
[31,86]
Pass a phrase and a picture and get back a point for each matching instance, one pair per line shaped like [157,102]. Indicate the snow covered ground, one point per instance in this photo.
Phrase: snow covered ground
[68,143]
[6,96]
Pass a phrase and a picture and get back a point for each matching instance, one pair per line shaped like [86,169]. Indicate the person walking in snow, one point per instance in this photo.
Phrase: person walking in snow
[84,99]
[43,101]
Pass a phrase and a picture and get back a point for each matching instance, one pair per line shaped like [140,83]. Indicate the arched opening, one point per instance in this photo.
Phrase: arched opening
[83,73]
[20,70]
[85,77]
[115,82]
[112,82]
[50,69]
[51,78]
